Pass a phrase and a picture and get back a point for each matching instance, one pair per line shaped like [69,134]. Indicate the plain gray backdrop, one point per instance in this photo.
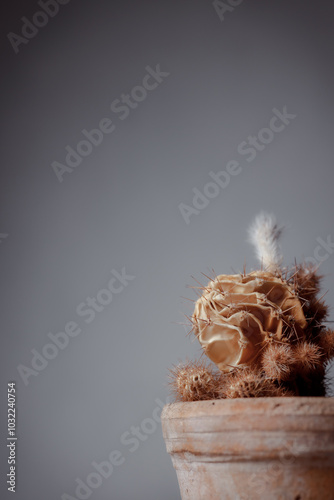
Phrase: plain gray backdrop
[119,208]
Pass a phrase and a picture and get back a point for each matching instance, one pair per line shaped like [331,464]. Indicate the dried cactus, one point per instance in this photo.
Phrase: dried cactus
[265,330]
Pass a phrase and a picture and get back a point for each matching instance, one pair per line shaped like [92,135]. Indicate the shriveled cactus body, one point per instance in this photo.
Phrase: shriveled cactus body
[238,314]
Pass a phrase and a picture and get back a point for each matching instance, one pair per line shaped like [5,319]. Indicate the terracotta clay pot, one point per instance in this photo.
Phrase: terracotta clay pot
[245,449]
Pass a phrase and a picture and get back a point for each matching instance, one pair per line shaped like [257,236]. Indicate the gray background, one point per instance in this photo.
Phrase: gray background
[119,208]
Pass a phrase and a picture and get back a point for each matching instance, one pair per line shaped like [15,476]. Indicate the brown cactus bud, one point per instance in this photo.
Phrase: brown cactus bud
[195,381]
[326,342]
[316,312]
[306,281]
[308,357]
[247,383]
[277,361]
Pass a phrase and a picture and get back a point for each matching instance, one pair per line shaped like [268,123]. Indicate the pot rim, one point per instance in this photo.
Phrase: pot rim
[255,406]
[230,430]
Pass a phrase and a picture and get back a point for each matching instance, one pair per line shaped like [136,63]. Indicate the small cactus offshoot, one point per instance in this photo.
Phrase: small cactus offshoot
[248,383]
[195,381]
[265,330]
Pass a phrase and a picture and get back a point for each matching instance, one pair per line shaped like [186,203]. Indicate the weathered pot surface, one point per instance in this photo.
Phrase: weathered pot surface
[247,449]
